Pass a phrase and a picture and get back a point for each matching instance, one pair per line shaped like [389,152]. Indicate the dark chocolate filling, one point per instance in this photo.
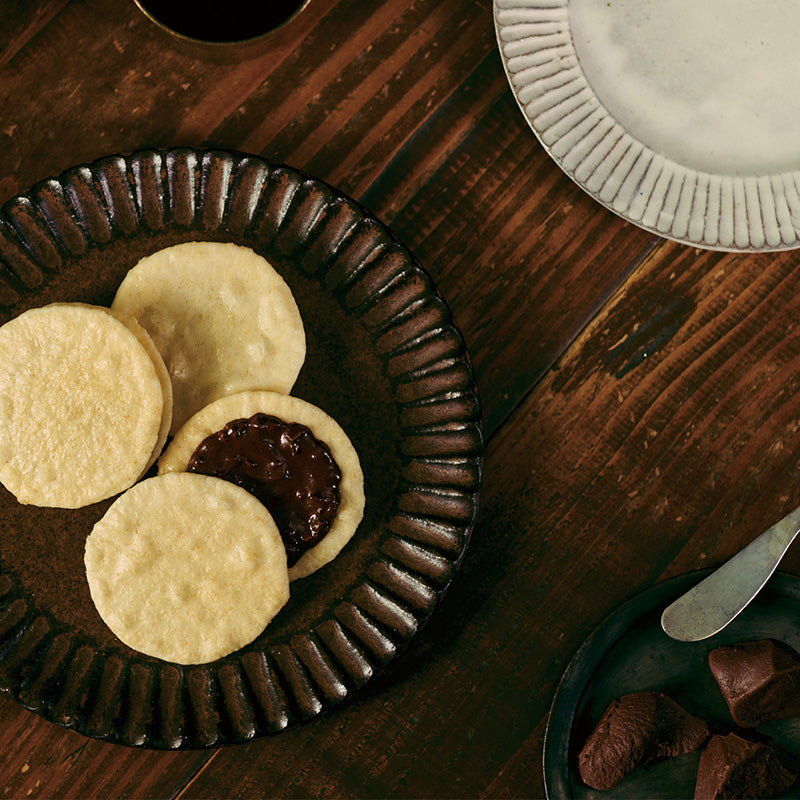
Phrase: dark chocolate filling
[285,466]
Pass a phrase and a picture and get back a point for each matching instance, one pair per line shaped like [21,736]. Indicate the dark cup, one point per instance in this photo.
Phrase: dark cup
[220,22]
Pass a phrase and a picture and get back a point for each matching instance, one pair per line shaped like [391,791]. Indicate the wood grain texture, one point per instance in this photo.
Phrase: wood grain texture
[639,397]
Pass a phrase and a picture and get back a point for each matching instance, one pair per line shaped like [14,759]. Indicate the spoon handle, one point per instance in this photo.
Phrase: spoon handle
[714,602]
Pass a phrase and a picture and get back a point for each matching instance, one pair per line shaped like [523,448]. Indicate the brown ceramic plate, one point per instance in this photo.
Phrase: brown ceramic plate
[384,359]
[629,652]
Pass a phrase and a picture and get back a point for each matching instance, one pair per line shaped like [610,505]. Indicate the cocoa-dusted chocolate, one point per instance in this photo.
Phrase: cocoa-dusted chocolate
[733,766]
[760,680]
[285,466]
[635,730]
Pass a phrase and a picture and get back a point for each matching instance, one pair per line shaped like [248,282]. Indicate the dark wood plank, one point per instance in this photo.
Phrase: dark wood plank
[22,20]
[42,760]
[523,256]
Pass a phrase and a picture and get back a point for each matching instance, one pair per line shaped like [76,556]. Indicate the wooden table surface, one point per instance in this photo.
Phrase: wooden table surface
[640,397]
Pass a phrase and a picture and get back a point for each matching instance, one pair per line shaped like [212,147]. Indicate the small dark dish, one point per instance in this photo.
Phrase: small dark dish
[630,652]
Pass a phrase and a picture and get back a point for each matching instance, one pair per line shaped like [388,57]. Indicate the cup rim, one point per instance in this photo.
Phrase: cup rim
[218,44]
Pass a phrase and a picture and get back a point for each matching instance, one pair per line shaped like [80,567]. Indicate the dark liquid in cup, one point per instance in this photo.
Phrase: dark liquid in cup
[221,20]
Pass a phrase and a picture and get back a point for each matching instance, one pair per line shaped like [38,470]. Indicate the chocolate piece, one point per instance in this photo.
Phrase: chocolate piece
[759,680]
[733,767]
[290,471]
[635,730]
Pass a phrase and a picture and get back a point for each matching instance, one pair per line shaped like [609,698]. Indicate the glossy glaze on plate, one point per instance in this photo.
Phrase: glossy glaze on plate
[630,652]
[385,359]
[613,141]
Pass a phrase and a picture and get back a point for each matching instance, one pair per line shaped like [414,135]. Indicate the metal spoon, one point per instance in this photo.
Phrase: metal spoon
[714,602]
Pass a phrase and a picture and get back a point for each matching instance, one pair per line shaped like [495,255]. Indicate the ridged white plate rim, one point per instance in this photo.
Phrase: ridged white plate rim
[701,209]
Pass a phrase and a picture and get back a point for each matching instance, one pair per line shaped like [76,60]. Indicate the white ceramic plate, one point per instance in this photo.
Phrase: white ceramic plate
[677,115]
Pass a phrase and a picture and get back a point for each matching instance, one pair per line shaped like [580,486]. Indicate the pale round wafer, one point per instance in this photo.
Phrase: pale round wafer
[81,406]
[163,378]
[222,318]
[289,409]
[186,568]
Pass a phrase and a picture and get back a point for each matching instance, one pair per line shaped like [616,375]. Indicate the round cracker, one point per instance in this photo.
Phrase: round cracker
[163,379]
[161,371]
[186,568]
[81,406]
[214,417]
[222,318]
